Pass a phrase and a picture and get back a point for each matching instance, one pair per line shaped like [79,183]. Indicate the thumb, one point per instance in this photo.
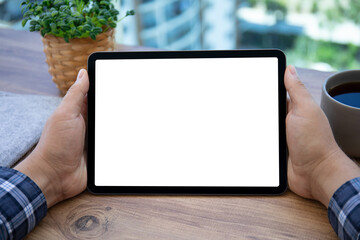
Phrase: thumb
[74,98]
[296,89]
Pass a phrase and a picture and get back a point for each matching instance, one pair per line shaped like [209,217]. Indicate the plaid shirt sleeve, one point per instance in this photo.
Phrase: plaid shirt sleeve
[22,204]
[344,210]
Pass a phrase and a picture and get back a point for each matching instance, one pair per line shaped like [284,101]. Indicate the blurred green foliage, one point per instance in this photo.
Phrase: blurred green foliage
[339,56]
[342,10]
[307,51]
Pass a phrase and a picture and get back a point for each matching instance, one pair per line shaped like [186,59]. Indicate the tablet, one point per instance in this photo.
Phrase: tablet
[187,122]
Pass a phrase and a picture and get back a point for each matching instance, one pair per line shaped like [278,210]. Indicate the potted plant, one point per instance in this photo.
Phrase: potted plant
[71,30]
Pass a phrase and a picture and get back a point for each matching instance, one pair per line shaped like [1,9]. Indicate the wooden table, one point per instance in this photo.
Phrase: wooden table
[23,70]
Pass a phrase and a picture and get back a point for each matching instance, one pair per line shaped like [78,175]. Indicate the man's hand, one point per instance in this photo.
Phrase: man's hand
[316,167]
[57,164]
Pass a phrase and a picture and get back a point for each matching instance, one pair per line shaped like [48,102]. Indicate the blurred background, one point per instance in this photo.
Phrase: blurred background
[317,34]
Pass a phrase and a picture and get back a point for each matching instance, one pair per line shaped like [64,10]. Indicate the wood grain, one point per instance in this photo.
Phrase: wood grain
[23,70]
[114,217]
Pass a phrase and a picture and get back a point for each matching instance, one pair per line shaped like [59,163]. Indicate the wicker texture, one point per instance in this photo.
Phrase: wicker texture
[66,59]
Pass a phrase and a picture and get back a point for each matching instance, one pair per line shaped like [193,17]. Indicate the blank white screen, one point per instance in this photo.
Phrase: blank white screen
[187,122]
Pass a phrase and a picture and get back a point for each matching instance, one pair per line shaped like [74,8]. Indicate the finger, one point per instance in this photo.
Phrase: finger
[295,87]
[74,99]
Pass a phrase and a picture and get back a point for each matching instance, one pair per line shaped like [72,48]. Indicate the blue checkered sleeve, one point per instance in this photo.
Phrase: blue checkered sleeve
[344,210]
[22,204]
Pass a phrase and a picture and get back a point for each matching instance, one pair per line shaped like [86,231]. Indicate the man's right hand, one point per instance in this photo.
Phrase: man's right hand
[317,167]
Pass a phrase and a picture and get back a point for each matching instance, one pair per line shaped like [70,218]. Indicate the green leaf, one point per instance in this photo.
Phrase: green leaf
[34,22]
[43,32]
[130,13]
[53,27]
[87,27]
[63,8]
[102,21]
[93,36]
[28,13]
[112,25]
[47,22]
[54,13]
[95,9]
[77,33]
[23,9]
[38,8]
[47,30]
[66,38]
[24,21]
[46,3]
[97,30]
[114,12]
[65,27]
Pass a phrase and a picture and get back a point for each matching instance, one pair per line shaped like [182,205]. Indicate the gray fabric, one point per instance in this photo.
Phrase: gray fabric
[22,118]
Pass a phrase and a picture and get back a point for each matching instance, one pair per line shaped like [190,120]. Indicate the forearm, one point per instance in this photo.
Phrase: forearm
[22,204]
[344,210]
[36,169]
[331,174]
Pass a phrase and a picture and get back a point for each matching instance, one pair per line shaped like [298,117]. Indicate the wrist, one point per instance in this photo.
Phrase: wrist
[332,172]
[43,175]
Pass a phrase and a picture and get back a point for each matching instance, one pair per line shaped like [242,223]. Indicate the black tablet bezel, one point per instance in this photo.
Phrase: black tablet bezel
[166,190]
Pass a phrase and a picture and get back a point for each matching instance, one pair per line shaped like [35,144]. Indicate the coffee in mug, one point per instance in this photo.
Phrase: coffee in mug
[348,93]
[340,101]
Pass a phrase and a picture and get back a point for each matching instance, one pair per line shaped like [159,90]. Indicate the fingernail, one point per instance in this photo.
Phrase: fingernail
[81,74]
[293,70]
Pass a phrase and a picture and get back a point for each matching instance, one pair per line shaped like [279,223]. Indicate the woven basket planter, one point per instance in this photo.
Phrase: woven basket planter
[66,59]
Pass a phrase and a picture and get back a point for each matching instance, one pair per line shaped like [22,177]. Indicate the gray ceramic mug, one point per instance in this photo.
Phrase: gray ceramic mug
[344,119]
